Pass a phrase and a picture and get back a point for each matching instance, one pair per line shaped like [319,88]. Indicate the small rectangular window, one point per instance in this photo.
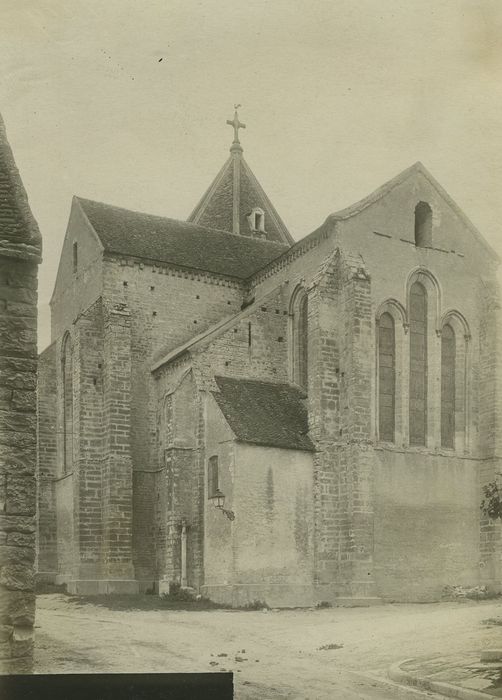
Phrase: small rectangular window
[212,476]
[75,257]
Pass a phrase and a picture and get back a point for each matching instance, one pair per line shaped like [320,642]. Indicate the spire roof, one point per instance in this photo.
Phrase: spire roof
[19,234]
[236,202]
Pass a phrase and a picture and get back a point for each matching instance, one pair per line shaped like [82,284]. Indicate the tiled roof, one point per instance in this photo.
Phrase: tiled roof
[177,242]
[216,206]
[264,413]
[19,234]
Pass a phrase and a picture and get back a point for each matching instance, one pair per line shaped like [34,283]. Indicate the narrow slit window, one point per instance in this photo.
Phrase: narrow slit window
[418,364]
[212,476]
[300,340]
[67,377]
[448,356]
[386,378]
[75,257]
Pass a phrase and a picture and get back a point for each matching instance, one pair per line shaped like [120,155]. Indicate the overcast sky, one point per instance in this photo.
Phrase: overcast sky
[338,97]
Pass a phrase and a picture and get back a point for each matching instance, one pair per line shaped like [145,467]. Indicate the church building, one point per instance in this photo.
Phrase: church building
[259,419]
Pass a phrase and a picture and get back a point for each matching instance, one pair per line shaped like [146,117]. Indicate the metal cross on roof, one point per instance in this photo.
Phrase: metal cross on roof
[236,124]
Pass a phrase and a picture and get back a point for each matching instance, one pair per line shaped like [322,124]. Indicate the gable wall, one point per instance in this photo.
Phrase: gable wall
[75,292]
[426,494]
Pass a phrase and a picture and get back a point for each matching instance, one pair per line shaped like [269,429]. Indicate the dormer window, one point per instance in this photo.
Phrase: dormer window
[256,220]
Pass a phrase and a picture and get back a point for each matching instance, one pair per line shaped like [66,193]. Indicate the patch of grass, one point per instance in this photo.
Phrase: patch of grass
[492,621]
[179,594]
[255,605]
[42,587]
[323,604]
[327,647]
[463,592]
[144,601]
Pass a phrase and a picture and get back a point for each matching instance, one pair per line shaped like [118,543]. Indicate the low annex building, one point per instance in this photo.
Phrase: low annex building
[337,397]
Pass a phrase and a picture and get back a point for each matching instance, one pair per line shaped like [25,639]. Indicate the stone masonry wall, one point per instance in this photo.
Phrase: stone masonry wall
[20,251]
[167,307]
[18,365]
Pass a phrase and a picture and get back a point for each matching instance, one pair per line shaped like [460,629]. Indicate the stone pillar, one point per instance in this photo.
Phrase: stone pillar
[341,367]
[117,466]
[490,428]
[47,564]
[20,247]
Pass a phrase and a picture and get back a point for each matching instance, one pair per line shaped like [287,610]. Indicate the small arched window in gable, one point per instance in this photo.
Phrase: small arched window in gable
[418,364]
[423,225]
[67,395]
[448,357]
[212,476]
[256,220]
[386,377]
[300,340]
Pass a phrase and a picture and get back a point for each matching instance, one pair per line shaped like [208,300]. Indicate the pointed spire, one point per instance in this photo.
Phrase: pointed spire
[236,124]
[235,194]
[236,151]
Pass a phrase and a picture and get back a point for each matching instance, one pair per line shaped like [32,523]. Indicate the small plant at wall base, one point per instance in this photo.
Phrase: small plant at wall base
[491,505]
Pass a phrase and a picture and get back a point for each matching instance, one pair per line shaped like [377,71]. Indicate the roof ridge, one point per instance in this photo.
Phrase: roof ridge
[272,210]
[195,215]
[182,222]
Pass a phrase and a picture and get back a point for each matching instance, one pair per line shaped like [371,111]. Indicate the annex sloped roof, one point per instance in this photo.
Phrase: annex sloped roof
[216,206]
[19,233]
[264,413]
[176,242]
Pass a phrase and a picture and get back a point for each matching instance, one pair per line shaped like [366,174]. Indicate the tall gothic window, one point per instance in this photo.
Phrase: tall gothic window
[300,340]
[448,355]
[67,377]
[386,377]
[212,476]
[418,364]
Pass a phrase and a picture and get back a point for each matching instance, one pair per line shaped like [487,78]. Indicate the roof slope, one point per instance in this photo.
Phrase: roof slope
[19,234]
[177,242]
[216,206]
[264,413]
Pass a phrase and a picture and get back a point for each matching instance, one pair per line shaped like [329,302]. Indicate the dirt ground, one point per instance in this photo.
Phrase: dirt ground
[307,654]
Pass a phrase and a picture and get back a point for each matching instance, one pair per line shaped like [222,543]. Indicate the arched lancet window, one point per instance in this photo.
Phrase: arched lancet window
[386,378]
[418,364]
[300,340]
[448,361]
[423,225]
[67,378]
[212,476]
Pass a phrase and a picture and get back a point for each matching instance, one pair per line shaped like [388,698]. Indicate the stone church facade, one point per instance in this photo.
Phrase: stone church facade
[262,419]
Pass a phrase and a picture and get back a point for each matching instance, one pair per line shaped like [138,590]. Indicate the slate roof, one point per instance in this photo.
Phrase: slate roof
[19,234]
[216,206]
[180,243]
[264,413]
